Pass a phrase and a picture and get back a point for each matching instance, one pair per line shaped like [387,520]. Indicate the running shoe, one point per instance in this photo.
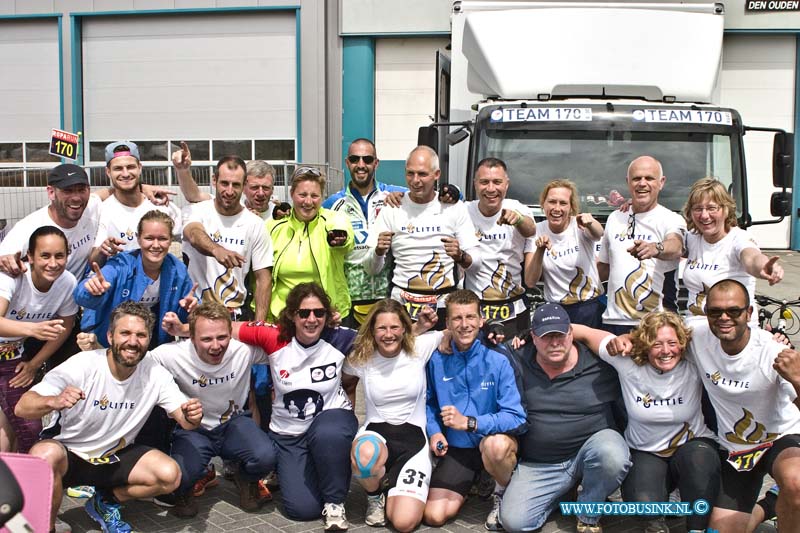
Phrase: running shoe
[334,517]
[206,482]
[493,518]
[80,491]
[376,510]
[106,513]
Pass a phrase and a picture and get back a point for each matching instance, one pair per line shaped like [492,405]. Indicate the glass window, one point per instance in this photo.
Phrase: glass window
[37,177]
[97,176]
[199,149]
[155,175]
[202,174]
[222,148]
[10,152]
[97,151]
[153,150]
[275,150]
[39,153]
[12,177]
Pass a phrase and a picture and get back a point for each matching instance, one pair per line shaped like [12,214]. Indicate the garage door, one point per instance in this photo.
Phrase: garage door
[30,96]
[758,75]
[405,81]
[225,82]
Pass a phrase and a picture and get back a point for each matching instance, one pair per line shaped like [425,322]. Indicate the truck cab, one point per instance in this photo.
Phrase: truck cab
[578,90]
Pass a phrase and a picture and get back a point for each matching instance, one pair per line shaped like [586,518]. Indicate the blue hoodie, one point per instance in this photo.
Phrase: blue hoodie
[479,382]
[128,281]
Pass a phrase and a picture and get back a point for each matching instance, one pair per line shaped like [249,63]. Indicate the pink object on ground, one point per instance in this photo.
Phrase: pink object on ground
[35,477]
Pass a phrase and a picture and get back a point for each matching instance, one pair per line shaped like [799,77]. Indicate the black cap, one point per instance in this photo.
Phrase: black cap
[67,175]
[550,318]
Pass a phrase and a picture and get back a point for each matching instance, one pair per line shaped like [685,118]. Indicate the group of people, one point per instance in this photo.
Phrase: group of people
[282,309]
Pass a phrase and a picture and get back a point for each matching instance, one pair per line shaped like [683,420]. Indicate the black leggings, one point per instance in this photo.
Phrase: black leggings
[694,469]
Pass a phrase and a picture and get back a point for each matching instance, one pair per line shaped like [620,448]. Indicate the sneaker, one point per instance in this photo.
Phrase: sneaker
[334,518]
[81,491]
[263,491]
[206,482]
[185,506]
[583,527]
[656,525]
[106,513]
[250,499]
[376,510]
[493,518]
[229,469]
[165,500]
[271,481]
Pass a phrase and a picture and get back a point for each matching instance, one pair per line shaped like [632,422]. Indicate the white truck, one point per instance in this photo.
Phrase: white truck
[580,89]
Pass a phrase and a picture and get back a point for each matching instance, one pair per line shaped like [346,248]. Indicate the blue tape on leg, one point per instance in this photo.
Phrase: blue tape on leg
[365,471]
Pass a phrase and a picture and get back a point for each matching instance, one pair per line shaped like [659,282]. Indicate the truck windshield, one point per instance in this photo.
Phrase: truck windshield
[597,161]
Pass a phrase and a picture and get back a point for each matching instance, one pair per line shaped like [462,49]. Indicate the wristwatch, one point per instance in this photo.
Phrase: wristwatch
[659,248]
[472,424]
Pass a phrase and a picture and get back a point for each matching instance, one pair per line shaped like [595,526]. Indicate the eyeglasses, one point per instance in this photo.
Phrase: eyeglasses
[631,225]
[368,159]
[732,312]
[305,313]
[698,209]
[303,171]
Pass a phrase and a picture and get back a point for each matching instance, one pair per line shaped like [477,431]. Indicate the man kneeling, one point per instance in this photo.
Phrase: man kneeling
[473,409]
[101,400]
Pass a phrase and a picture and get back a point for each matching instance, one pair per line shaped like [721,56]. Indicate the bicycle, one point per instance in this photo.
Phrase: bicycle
[788,320]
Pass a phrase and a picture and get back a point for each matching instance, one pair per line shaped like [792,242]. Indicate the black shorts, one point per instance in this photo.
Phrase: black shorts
[740,489]
[104,476]
[402,442]
[457,470]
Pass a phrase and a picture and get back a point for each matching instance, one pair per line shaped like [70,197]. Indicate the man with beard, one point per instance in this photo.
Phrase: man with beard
[224,241]
[361,200]
[101,399]
[216,369]
[121,212]
[753,383]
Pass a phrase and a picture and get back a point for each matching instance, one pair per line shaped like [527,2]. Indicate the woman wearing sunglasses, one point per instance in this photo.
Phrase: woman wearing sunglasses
[564,255]
[310,245]
[312,421]
[717,249]
[37,304]
[669,441]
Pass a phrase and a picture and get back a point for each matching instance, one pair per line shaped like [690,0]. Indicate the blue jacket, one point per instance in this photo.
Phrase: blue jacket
[479,382]
[125,273]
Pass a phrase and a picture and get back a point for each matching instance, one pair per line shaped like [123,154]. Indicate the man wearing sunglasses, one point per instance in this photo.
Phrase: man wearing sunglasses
[640,251]
[753,383]
[361,200]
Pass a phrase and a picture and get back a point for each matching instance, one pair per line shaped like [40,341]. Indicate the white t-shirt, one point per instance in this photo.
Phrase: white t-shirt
[152,293]
[752,401]
[420,262]
[499,276]
[664,409]
[569,270]
[636,287]
[242,233]
[27,304]
[80,238]
[222,388]
[120,221]
[395,387]
[113,412]
[708,263]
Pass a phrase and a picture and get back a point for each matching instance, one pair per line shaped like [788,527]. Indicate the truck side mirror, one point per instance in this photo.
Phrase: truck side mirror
[783,160]
[780,204]
[428,136]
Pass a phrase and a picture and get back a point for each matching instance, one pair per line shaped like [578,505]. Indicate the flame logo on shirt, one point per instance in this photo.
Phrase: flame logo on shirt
[502,285]
[202,380]
[697,307]
[581,288]
[682,436]
[410,228]
[103,402]
[21,314]
[226,290]
[129,234]
[432,276]
[230,411]
[636,297]
[715,377]
[479,234]
[758,434]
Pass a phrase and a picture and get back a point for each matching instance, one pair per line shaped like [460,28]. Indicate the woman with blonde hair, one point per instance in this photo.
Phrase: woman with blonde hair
[310,244]
[669,441]
[390,359]
[564,255]
[717,249]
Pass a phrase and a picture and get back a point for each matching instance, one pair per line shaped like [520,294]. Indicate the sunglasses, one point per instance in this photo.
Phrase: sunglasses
[305,313]
[732,312]
[631,226]
[368,159]
[304,171]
